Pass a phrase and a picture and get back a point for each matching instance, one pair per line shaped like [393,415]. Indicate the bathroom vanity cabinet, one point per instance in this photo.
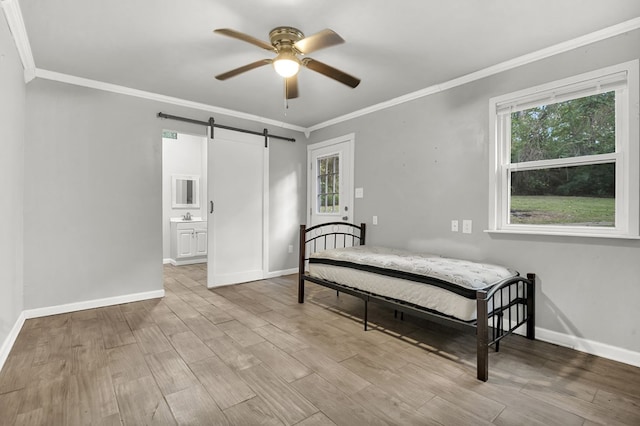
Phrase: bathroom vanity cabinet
[188,241]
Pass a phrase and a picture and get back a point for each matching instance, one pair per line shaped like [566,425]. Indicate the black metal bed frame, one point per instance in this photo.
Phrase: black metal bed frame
[490,326]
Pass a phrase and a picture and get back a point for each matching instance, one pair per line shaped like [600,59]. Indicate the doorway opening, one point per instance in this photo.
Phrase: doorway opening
[184,195]
[215,205]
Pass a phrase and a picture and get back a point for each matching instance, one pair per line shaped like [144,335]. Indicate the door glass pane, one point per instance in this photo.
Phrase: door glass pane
[328,178]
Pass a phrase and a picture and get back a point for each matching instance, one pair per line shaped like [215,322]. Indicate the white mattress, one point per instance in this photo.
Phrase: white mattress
[462,276]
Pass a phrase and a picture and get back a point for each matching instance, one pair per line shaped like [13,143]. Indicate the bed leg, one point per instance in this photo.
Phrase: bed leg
[531,307]
[302,246]
[482,336]
[337,293]
[500,330]
[300,290]
[395,314]
[365,314]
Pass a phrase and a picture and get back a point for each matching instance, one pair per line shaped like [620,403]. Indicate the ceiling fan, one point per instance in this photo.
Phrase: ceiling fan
[289,43]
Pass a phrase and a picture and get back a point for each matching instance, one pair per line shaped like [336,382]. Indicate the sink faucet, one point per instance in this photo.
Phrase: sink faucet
[187,216]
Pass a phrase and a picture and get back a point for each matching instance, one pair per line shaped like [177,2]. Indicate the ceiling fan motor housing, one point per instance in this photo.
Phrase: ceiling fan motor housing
[285,37]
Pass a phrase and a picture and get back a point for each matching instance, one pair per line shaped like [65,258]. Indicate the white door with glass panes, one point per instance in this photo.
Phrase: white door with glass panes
[330,181]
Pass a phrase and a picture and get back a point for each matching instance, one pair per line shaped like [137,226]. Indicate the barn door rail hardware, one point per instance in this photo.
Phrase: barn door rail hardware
[213,125]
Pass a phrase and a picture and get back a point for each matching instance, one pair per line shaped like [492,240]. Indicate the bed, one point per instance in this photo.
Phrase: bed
[490,300]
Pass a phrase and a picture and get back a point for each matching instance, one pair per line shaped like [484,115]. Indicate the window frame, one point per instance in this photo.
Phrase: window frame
[626,155]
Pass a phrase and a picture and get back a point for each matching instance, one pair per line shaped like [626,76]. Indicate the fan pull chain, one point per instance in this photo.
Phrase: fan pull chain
[286,100]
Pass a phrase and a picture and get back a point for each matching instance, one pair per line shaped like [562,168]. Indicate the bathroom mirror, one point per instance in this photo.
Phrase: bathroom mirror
[185,190]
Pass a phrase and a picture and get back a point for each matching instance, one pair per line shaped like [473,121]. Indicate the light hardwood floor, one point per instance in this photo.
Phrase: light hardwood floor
[250,354]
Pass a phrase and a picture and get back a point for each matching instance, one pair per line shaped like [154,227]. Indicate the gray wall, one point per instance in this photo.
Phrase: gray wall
[12,116]
[426,162]
[93,192]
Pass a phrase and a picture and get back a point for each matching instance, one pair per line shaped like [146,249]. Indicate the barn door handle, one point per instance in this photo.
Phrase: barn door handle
[211,207]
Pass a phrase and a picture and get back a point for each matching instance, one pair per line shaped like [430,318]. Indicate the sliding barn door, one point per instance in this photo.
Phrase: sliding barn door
[237,176]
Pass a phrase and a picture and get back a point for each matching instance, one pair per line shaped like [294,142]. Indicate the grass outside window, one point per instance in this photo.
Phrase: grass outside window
[562,210]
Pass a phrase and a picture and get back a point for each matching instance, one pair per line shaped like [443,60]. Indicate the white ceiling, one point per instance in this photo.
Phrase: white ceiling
[396,47]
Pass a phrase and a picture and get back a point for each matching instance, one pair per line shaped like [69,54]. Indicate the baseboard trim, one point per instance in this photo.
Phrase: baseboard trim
[90,304]
[186,261]
[8,343]
[266,276]
[581,344]
[275,274]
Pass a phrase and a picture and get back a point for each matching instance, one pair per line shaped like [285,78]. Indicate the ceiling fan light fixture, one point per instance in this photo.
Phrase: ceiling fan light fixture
[287,43]
[286,64]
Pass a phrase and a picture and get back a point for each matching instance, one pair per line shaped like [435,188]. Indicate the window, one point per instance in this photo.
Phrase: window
[565,156]
[329,184]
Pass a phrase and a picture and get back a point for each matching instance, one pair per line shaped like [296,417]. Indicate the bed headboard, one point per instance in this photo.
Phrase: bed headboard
[329,236]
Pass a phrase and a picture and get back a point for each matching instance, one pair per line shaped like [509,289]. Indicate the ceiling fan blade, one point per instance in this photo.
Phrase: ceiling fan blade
[245,37]
[317,41]
[291,87]
[242,69]
[331,72]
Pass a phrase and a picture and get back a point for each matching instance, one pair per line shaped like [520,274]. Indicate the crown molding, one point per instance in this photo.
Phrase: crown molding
[114,88]
[614,30]
[16,25]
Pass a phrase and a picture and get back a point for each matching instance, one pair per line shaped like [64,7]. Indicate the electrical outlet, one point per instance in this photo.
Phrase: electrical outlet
[359,192]
[375,220]
[454,226]
[466,226]
[290,248]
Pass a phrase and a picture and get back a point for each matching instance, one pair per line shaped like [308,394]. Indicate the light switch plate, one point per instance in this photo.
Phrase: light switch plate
[359,192]
[375,220]
[454,226]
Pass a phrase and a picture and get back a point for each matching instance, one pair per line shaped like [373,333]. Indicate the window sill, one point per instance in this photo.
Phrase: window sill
[561,234]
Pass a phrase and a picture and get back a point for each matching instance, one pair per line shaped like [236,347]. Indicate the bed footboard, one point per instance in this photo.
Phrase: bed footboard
[502,310]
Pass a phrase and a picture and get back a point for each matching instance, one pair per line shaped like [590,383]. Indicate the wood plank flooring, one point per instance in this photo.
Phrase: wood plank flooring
[250,354]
